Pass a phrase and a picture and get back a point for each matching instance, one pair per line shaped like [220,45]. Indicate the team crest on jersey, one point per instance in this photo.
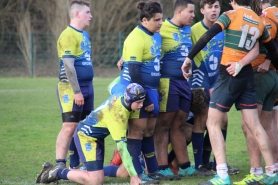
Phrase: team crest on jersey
[132,58]
[88,147]
[176,36]
[67,52]
[66,98]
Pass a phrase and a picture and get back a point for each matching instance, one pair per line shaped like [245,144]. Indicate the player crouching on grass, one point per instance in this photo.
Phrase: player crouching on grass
[111,117]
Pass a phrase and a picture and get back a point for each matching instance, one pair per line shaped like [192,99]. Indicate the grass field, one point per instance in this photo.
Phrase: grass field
[30,121]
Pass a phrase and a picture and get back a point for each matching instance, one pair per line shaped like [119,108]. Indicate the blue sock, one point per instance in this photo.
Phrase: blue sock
[224,133]
[73,155]
[134,148]
[142,161]
[206,149]
[62,173]
[197,145]
[149,155]
[110,171]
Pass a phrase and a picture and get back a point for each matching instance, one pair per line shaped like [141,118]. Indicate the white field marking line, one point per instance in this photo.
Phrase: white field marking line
[21,90]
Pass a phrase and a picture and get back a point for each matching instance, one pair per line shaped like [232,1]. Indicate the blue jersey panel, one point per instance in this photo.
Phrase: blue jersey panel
[176,44]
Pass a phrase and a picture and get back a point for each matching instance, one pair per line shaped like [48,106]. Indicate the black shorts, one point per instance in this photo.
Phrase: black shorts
[229,90]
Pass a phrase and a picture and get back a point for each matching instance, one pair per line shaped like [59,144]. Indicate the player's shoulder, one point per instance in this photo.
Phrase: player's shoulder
[196,26]
[229,12]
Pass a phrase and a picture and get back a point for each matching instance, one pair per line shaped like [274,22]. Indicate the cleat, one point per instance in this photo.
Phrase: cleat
[249,179]
[232,170]
[186,172]
[173,168]
[217,181]
[147,180]
[268,180]
[166,174]
[51,174]
[212,167]
[202,171]
[116,160]
[45,167]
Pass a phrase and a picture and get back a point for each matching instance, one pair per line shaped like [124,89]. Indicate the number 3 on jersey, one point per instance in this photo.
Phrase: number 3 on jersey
[249,44]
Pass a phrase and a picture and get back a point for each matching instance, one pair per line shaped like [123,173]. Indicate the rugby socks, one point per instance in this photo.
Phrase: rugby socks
[73,155]
[197,145]
[149,155]
[257,171]
[134,148]
[185,165]
[206,149]
[269,170]
[62,173]
[142,161]
[222,170]
[110,171]
[163,167]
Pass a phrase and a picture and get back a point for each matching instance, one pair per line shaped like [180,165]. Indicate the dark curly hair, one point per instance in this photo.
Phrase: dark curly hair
[199,100]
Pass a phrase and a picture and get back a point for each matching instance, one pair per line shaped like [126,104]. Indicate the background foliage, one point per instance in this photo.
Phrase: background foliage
[29,30]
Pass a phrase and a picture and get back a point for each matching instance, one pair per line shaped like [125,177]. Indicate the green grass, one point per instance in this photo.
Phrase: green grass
[30,121]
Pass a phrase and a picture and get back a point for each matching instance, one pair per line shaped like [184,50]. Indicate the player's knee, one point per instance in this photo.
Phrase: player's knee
[68,129]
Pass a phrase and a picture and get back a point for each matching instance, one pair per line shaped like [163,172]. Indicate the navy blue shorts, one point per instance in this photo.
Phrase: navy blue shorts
[90,150]
[70,111]
[229,90]
[176,95]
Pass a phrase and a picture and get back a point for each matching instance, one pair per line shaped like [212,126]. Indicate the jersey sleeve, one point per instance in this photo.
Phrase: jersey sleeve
[265,36]
[133,50]
[67,44]
[224,20]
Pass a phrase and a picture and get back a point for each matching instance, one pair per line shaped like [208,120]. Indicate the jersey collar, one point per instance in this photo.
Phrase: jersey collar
[140,26]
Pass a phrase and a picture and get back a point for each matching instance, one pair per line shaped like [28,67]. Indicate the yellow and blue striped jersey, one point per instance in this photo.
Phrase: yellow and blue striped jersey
[111,117]
[144,48]
[176,44]
[76,44]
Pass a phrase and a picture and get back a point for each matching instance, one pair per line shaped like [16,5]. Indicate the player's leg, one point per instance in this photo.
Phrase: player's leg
[162,128]
[136,129]
[161,138]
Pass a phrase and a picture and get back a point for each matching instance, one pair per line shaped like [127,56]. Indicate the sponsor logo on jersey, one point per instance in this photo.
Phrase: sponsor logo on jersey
[249,19]
[132,58]
[67,52]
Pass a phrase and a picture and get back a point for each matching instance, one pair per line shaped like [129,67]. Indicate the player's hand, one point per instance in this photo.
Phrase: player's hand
[234,68]
[186,68]
[79,99]
[264,67]
[135,180]
[120,64]
[149,108]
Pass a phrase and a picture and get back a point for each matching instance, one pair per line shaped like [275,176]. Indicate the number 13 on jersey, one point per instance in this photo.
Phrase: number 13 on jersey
[248,43]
